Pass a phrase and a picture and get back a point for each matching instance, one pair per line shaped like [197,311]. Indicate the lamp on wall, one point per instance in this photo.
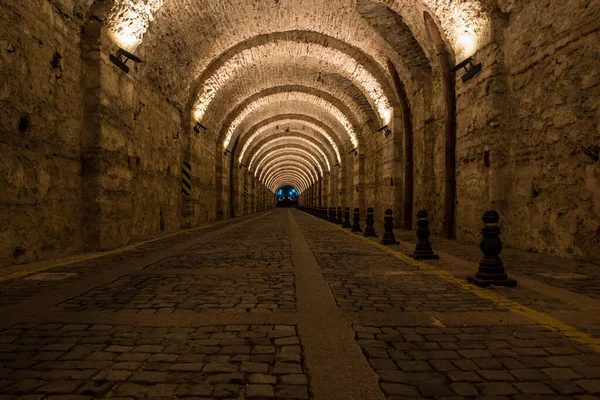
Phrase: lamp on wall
[227,151]
[198,127]
[120,60]
[593,152]
[337,165]
[471,69]
[385,129]
[354,150]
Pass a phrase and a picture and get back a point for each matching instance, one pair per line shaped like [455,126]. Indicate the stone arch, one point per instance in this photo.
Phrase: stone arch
[321,132]
[312,79]
[272,143]
[287,179]
[291,158]
[296,147]
[329,105]
[291,167]
[289,173]
[305,39]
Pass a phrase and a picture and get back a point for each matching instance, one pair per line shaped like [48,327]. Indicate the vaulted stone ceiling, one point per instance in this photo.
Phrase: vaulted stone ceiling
[290,87]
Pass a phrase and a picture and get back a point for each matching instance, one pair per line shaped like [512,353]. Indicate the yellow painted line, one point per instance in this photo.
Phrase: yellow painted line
[541,318]
[21,274]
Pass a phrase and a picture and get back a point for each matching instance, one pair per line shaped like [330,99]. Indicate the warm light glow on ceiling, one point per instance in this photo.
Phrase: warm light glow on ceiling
[295,96]
[274,181]
[129,20]
[291,151]
[291,171]
[347,65]
[467,27]
[467,42]
[288,160]
[292,139]
[314,127]
[285,179]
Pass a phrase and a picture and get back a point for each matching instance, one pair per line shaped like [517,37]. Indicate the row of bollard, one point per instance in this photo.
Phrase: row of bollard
[335,216]
[491,268]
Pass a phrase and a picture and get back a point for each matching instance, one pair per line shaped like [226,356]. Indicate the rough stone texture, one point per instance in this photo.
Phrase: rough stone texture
[92,157]
[40,132]
[409,332]
[419,369]
[74,360]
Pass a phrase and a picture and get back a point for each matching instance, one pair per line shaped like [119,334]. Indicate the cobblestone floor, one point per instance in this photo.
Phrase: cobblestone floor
[522,362]
[244,292]
[286,306]
[576,276]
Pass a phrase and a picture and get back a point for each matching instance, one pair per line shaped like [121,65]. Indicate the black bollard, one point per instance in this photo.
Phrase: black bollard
[332,218]
[339,219]
[347,218]
[370,229]
[356,227]
[491,268]
[388,226]
[423,250]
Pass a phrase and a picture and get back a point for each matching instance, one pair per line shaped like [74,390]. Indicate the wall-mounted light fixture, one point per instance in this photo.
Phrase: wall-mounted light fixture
[471,69]
[385,129]
[120,60]
[337,165]
[592,152]
[198,127]
[354,150]
[242,165]
[227,151]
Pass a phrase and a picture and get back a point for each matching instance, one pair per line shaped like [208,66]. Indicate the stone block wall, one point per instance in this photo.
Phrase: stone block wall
[554,82]
[521,125]
[40,168]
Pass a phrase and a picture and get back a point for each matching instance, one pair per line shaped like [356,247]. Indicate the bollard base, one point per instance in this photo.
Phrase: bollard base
[388,242]
[369,234]
[508,282]
[356,229]
[425,256]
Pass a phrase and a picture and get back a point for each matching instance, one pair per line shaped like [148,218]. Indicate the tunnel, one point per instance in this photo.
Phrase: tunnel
[300,199]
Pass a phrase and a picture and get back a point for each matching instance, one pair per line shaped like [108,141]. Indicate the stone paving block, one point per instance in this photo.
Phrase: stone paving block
[149,293]
[163,365]
[259,391]
[291,392]
[477,373]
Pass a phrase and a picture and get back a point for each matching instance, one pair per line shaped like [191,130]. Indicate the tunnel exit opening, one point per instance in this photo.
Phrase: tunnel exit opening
[287,196]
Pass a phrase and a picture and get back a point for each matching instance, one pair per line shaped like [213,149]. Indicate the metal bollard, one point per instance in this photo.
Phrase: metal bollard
[347,218]
[339,219]
[388,226]
[423,250]
[491,268]
[332,218]
[370,229]
[356,227]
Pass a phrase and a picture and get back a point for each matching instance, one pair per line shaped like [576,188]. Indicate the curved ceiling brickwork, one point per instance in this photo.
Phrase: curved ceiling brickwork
[254,72]
[289,152]
[291,158]
[296,76]
[329,108]
[279,123]
[289,141]
[284,180]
